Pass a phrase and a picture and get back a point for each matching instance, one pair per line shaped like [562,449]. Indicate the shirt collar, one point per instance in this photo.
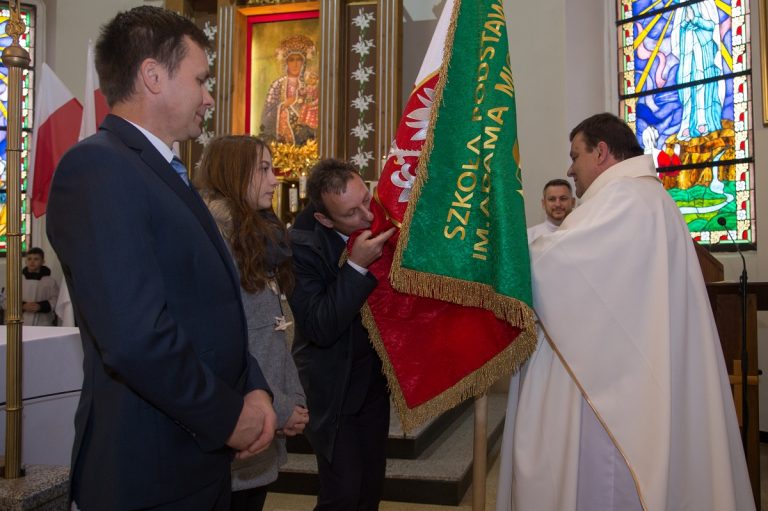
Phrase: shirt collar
[552,226]
[158,144]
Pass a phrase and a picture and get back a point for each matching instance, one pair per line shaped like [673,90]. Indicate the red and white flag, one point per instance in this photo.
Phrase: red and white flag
[57,124]
[94,103]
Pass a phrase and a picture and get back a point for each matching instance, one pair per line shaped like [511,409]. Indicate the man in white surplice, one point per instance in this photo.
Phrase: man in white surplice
[626,403]
[557,201]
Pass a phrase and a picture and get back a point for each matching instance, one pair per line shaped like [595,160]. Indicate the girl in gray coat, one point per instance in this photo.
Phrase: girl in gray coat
[236,181]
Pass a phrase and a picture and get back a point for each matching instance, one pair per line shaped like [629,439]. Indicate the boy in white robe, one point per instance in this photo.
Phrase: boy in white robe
[39,291]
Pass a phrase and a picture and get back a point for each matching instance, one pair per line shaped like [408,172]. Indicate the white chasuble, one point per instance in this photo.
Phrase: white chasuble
[631,337]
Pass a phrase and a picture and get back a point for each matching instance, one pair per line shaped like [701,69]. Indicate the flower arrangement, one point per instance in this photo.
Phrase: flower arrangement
[293,160]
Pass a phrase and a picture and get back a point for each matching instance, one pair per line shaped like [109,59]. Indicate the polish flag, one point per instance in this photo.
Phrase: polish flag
[95,104]
[57,119]
[94,110]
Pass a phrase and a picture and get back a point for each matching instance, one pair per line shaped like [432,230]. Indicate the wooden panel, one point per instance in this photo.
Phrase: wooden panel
[711,268]
[340,27]
[388,80]
[361,123]
[331,84]
[726,306]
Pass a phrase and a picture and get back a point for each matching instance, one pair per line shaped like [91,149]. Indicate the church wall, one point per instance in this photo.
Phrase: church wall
[537,34]
[70,24]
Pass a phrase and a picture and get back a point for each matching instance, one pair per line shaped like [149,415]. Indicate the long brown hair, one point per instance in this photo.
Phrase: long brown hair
[225,172]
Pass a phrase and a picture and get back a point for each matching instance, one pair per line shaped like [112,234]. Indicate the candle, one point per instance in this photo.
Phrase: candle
[293,199]
[303,185]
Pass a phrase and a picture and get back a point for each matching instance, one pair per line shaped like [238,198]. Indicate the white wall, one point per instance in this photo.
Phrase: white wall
[70,24]
[757,261]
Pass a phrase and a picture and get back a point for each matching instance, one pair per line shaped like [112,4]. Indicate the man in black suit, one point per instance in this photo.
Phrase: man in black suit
[169,392]
[338,367]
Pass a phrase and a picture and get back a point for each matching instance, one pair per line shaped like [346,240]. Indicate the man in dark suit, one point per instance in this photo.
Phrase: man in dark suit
[338,367]
[169,392]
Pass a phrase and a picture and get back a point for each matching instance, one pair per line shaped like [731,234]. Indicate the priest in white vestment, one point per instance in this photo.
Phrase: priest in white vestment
[626,403]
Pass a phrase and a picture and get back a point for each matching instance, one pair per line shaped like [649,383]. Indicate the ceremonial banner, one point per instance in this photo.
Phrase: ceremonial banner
[454,313]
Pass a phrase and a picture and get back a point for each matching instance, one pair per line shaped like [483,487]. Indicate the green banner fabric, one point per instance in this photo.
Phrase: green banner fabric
[464,234]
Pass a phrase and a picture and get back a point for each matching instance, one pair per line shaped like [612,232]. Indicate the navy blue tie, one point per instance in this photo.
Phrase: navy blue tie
[180,169]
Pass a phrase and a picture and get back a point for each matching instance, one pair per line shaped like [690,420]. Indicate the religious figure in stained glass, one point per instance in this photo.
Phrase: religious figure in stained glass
[696,43]
[290,113]
[685,90]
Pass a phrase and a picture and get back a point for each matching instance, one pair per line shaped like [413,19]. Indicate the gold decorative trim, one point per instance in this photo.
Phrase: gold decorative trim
[280,8]
[594,410]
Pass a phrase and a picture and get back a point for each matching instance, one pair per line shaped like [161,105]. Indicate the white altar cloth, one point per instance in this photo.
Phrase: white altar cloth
[52,376]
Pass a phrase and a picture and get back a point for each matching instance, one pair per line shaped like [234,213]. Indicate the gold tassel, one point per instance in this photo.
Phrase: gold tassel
[462,292]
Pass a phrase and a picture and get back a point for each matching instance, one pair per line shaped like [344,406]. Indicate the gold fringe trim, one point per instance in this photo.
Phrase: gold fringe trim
[474,384]
[462,292]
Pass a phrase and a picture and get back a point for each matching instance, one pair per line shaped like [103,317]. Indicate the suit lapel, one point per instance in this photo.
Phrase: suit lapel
[134,139]
[334,246]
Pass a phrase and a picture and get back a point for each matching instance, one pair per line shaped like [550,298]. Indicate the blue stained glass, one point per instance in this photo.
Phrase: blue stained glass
[685,89]
[26,41]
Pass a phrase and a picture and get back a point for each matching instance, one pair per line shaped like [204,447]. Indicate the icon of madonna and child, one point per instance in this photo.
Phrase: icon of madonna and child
[290,113]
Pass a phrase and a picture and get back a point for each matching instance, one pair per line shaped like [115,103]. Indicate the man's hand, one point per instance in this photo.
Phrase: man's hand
[256,425]
[296,422]
[366,249]
[30,306]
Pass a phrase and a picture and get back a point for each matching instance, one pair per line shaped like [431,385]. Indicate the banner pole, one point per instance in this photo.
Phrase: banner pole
[16,59]
[480,451]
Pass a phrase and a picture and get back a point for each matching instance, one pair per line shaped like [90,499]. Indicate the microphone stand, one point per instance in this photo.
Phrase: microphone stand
[744,355]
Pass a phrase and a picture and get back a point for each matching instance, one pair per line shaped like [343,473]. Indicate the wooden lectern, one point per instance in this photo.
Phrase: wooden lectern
[725,299]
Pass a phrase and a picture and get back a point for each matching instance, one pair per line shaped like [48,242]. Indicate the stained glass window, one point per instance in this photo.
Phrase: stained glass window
[685,88]
[26,41]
